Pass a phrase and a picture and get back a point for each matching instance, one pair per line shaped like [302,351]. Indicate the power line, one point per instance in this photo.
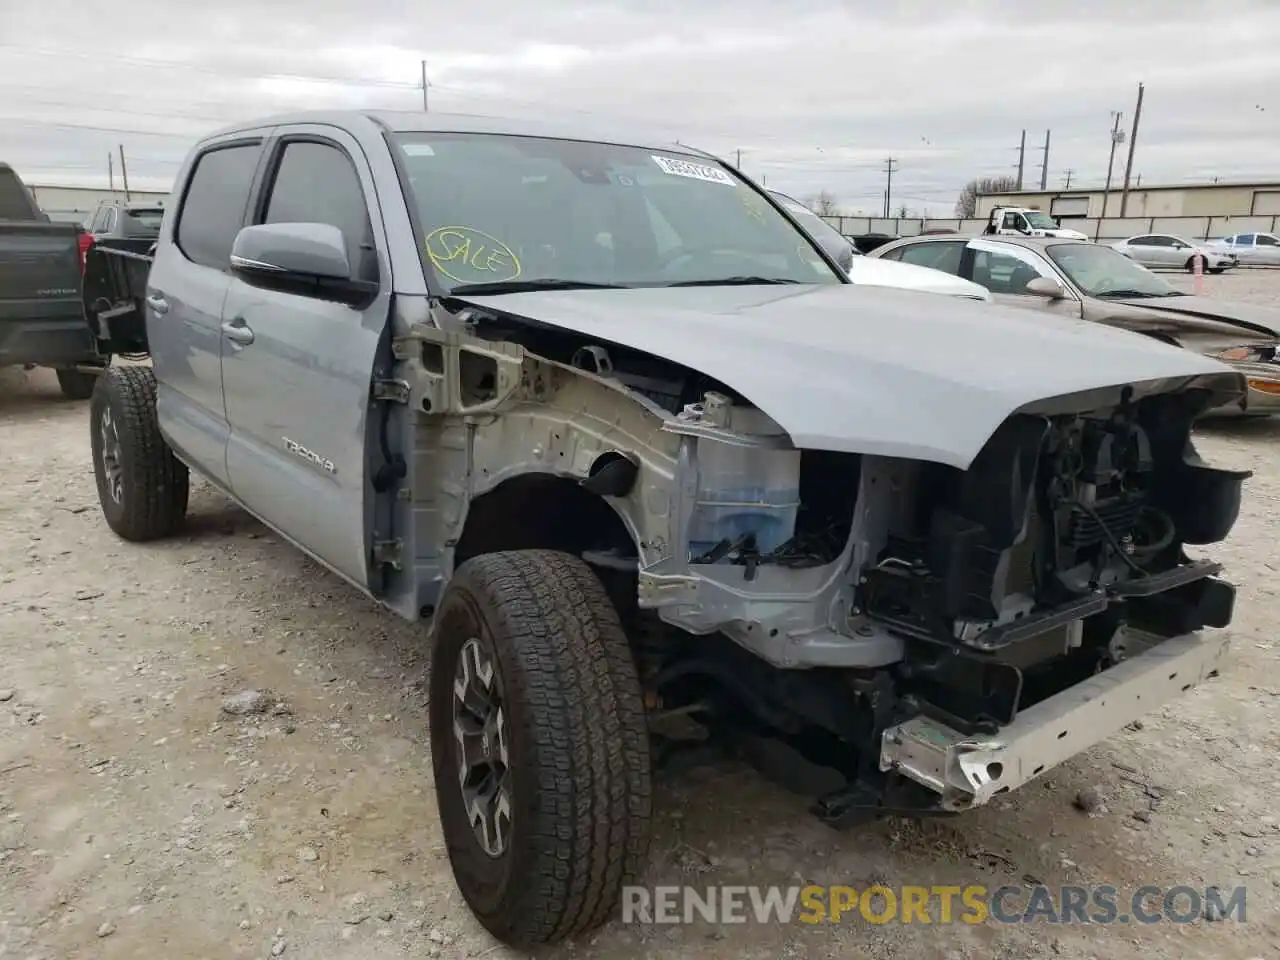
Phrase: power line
[128,111]
[59,125]
[185,67]
[398,85]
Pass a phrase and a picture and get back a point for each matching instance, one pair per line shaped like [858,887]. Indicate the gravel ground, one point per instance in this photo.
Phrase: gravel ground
[137,818]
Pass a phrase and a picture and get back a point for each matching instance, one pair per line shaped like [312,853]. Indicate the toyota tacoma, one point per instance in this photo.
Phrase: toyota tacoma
[660,483]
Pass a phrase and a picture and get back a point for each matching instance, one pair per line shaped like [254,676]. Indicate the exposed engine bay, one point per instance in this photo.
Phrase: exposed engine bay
[1028,565]
[856,625]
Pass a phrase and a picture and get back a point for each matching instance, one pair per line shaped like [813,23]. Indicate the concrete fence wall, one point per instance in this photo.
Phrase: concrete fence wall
[1111,228]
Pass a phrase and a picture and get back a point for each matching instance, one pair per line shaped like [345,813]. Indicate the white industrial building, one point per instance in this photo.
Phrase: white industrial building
[77,204]
[1192,210]
[1217,200]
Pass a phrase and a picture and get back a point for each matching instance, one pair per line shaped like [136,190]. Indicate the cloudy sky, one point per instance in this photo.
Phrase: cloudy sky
[814,93]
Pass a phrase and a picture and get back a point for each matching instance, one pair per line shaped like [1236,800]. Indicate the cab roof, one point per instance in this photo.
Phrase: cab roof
[410,121]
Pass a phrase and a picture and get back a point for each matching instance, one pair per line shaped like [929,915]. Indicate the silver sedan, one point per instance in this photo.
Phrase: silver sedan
[1166,250]
[1253,249]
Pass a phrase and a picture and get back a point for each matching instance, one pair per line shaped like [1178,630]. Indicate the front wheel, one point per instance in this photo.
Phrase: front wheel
[539,745]
[142,486]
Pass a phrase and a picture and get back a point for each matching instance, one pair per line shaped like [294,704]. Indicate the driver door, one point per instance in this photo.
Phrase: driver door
[1005,269]
[1015,223]
[297,369]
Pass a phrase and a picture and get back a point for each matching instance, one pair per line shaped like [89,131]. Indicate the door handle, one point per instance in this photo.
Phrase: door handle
[236,331]
[157,303]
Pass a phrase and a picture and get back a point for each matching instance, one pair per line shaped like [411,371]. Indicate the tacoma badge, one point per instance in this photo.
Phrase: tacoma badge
[300,451]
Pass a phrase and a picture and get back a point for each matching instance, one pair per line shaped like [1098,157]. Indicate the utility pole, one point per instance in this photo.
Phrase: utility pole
[1117,137]
[111,171]
[424,86]
[124,173]
[738,162]
[1044,164]
[890,164]
[1133,142]
[1066,178]
[1022,157]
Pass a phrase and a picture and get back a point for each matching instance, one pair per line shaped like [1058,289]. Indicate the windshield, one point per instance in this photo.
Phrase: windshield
[1040,220]
[497,208]
[1102,272]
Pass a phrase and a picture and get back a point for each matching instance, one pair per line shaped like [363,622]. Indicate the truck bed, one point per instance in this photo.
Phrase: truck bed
[41,318]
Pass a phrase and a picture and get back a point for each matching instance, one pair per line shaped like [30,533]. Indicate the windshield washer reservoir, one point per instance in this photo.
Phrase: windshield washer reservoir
[745,490]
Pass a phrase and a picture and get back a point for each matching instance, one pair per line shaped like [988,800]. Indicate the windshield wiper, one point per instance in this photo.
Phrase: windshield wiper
[731,282]
[529,286]
[1143,294]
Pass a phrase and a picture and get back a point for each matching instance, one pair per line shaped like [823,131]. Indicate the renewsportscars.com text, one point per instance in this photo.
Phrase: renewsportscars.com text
[937,904]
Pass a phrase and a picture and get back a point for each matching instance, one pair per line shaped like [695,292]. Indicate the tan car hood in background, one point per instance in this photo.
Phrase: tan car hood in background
[1198,322]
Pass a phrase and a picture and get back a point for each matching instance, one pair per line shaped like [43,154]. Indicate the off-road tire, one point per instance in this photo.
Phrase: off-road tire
[152,483]
[76,384]
[579,769]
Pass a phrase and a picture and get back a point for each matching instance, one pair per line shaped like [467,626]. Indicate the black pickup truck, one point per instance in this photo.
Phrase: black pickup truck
[41,318]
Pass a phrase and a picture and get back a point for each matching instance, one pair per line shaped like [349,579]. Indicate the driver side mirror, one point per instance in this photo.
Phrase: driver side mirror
[306,259]
[1045,287]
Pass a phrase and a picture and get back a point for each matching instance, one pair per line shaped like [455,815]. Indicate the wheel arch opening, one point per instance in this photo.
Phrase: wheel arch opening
[542,511]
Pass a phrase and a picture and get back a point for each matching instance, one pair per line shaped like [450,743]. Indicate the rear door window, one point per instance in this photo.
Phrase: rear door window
[213,209]
[937,256]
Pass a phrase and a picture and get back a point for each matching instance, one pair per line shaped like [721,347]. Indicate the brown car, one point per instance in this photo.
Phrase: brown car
[1086,280]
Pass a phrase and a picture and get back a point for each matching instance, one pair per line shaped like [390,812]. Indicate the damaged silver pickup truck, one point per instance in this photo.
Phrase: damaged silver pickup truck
[663,482]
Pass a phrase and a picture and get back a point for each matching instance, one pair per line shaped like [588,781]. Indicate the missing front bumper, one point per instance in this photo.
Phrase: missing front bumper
[967,771]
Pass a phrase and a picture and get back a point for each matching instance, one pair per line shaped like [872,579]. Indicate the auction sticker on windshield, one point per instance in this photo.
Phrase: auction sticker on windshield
[696,171]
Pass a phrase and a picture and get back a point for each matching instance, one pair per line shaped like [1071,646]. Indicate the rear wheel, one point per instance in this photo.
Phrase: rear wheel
[539,745]
[142,486]
[1191,264]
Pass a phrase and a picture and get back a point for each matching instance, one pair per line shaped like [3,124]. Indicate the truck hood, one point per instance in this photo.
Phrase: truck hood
[875,272]
[1202,318]
[867,370]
